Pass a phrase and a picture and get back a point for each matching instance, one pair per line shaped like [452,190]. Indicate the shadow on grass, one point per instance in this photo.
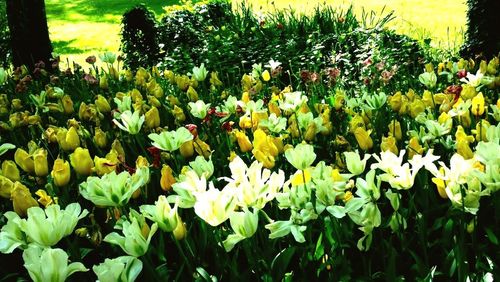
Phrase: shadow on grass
[99,10]
[63,47]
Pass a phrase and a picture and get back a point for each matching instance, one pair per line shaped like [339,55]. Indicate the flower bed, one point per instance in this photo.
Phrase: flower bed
[160,175]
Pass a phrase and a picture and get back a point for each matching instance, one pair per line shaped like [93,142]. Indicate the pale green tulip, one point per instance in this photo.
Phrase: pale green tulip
[161,213]
[171,140]
[215,206]
[301,157]
[136,234]
[199,109]
[49,264]
[354,163]
[244,225]
[131,123]
[122,269]
[11,236]
[114,190]
[47,227]
[202,167]
[200,73]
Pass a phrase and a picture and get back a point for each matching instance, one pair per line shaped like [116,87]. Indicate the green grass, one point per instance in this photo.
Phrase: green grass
[80,28]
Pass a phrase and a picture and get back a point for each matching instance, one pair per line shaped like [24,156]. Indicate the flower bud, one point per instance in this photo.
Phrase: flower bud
[10,170]
[389,144]
[6,187]
[22,199]
[100,138]
[102,104]
[152,118]
[68,139]
[167,178]
[61,172]
[67,104]
[187,149]
[178,113]
[180,230]
[24,160]
[243,141]
[81,161]
[363,138]
[41,164]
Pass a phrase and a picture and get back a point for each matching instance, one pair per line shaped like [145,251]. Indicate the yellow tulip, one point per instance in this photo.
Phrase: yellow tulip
[67,104]
[202,148]
[481,129]
[6,187]
[24,160]
[104,166]
[102,104]
[245,97]
[178,113]
[416,107]
[440,185]
[245,122]
[10,170]
[81,161]
[264,148]
[274,108]
[243,141]
[477,107]
[464,149]
[356,122]
[414,148]
[103,82]
[192,94]
[257,117]
[100,138]
[395,129]
[141,162]
[389,144]
[61,173]
[266,76]
[152,118]
[187,149]
[41,163]
[395,101]
[301,177]
[44,198]
[310,132]
[180,230]
[167,178]
[468,92]
[363,138]
[68,139]
[22,199]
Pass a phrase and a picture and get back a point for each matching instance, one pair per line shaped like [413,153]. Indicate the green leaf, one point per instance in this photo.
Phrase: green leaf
[320,249]
[281,262]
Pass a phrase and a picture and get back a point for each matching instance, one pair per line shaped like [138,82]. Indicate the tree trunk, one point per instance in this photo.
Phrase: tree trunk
[483,31]
[29,32]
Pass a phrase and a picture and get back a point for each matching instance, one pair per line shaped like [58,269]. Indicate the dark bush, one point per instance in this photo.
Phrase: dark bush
[4,37]
[483,34]
[140,38]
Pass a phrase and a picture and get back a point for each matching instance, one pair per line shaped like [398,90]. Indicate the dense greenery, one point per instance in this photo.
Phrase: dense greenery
[4,37]
[232,41]
[483,34]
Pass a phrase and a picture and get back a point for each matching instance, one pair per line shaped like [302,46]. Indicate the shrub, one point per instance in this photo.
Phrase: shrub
[4,37]
[139,38]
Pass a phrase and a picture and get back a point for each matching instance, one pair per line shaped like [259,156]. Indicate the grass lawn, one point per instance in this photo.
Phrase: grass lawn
[79,28]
